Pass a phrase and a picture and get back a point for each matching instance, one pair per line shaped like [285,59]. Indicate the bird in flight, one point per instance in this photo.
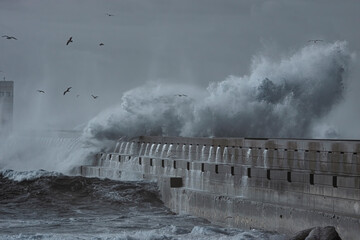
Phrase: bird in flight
[101,44]
[9,37]
[316,40]
[95,97]
[69,41]
[181,95]
[67,90]
[41,91]
[110,15]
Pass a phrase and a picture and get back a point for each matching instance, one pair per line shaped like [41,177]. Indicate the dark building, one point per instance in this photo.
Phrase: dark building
[6,106]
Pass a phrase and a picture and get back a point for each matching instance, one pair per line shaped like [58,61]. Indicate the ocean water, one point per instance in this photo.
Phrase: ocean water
[49,205]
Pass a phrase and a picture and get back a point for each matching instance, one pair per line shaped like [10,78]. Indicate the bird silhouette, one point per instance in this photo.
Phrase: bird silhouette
[110,15]
[41,91]
[181,95]
[101,44]
[69,41]
[67,90]
[95,97]
[316,40]
[9,37]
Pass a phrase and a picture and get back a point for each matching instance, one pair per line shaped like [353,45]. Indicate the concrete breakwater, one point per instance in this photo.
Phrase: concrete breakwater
[284,185]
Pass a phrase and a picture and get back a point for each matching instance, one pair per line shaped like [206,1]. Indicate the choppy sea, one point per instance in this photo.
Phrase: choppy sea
[49,205]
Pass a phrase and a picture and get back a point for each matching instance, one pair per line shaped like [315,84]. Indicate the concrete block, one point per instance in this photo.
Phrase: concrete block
[324,203]
[180,164]
[297,200]
[278,175]
[321,190]
[347,206]
[323,179]
[195,166]
[346,193]
[259,172]
[278,185]
[256,182]
[209,167]
[299,187]
[348,181]
[238,170]
[225,169]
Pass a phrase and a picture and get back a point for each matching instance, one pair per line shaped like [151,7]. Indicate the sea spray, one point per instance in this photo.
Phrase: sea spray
[52,151]
[285,98]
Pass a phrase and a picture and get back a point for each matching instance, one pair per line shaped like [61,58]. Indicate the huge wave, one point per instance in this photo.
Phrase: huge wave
[285,98]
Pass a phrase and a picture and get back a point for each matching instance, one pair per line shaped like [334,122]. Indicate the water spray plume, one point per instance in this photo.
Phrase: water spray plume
[277,99]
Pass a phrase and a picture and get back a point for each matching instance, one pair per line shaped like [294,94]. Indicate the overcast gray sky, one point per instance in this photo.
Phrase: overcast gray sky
[194,42]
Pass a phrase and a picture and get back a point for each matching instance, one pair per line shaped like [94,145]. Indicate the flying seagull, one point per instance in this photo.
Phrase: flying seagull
[41,91]
[316,40]
[110,15]
[69,41]
[101,44]
[67,90]
[95,97]
[9,37]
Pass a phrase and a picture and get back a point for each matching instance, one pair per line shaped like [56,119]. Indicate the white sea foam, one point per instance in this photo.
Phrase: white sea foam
[285,98]
[20,176]
[169,232]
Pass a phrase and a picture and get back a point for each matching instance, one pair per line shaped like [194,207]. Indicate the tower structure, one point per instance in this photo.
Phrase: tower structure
[6,106]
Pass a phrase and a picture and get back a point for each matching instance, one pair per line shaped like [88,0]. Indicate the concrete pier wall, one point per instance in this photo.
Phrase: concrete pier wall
[283,185]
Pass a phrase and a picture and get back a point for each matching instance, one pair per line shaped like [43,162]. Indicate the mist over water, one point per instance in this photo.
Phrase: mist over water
[52,151]
[279,98]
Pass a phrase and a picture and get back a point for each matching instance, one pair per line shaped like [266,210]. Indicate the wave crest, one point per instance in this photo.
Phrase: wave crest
[277,99]
[19,176]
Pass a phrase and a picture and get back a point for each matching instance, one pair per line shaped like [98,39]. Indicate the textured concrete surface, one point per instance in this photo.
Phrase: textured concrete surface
[283,185]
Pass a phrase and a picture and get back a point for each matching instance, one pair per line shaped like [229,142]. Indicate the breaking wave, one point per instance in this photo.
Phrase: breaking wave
[285,98]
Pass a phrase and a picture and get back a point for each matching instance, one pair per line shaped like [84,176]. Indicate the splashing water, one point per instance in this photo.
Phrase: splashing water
[265,158]
[226,154]
[151,153]
[50,151]
[211,154]
[286,98]
[203,149]
[218,154]
[170,152]
[248,154]
[163,150]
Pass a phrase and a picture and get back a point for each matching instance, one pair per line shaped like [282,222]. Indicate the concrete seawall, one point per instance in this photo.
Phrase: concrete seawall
[283,185]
